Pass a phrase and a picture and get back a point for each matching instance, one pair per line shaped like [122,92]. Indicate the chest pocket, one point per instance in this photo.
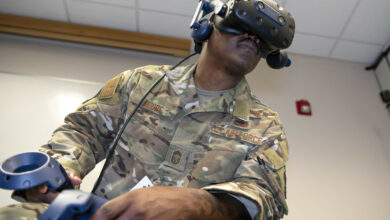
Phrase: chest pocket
[218,164]
[151,131]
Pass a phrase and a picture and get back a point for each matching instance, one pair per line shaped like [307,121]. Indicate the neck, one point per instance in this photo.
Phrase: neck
[212,75]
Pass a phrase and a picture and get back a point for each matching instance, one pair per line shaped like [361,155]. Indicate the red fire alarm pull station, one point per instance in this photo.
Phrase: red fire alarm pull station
[303,107]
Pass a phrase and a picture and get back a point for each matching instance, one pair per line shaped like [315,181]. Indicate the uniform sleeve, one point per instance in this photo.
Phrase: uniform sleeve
[84,138]
[260,180]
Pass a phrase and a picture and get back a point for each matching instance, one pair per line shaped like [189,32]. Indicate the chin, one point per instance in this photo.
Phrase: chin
[239,70]
[242,66]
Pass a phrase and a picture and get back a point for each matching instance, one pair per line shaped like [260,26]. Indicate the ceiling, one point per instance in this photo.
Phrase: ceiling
[353,30]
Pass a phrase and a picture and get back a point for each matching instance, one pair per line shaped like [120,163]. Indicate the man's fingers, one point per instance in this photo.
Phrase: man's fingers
[40,194]
[75,180]
[74,177]
[34,194]
[31,194]
[111,209]
[42,188]
[50,196]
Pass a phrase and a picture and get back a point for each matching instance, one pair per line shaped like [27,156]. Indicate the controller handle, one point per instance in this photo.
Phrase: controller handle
[73,205]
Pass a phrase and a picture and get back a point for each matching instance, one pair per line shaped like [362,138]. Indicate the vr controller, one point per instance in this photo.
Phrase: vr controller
[273,25]
[28,170]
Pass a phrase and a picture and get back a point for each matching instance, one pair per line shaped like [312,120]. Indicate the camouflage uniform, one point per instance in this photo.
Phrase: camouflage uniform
[230,143]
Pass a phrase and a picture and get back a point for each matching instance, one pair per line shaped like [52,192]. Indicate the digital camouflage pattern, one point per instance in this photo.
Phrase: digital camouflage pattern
[230,143]
[23,211]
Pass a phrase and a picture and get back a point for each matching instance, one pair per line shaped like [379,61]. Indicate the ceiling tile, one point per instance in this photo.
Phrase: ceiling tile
[180,7]
[53,9]
[311,45]
[358,52]
[102,15]
[370,23]
[325,18]
[126,3]
[173,25]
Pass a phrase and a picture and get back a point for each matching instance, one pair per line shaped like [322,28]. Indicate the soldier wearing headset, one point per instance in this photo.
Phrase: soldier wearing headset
[210,148]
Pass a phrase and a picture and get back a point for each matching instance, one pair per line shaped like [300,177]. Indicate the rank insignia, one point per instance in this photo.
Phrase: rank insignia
[176,156]
[240,124]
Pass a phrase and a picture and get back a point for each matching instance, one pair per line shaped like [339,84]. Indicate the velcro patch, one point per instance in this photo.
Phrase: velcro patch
[255,111]
[176,158]
[108,90]
[240,124]
[154,107]
[241,109]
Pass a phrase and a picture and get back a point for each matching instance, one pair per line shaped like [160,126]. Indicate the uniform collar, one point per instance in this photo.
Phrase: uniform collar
[235,101]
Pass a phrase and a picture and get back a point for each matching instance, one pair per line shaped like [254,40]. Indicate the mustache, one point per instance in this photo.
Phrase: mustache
[254,41]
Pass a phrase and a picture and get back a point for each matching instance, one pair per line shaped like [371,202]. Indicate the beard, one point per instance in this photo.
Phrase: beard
[245,59]
[241,64]
[237,55]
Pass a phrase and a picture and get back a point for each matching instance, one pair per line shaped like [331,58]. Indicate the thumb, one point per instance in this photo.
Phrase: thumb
[74,177]
[43,189]
[75,180]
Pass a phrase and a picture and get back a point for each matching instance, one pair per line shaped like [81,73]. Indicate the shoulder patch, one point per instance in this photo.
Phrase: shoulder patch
[108,90]
[241,110]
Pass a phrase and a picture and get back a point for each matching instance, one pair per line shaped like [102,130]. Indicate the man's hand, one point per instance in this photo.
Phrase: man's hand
[162,202]
[41,193]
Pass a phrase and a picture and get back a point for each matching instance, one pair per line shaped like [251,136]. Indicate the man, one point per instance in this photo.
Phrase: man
[211,149]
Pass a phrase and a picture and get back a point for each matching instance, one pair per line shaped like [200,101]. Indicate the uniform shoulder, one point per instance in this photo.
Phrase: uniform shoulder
[152,70]
[159,70]
[256,103]
[149,73]
[260,109]
[179,72]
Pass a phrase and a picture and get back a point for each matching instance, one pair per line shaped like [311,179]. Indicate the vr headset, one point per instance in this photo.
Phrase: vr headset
[273,25]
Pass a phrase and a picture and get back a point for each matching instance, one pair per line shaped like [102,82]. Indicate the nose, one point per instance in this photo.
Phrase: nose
[252,37]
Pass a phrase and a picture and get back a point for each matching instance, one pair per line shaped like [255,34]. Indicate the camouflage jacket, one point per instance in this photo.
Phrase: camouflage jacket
[230,143]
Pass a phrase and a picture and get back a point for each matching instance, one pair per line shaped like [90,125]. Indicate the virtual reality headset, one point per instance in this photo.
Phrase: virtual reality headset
[272,24]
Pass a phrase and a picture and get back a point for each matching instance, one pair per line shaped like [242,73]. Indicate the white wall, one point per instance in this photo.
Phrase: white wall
[35,56]
[339,164]
[32,107]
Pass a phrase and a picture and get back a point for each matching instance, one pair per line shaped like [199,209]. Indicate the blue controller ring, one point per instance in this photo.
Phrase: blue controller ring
[28,170]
